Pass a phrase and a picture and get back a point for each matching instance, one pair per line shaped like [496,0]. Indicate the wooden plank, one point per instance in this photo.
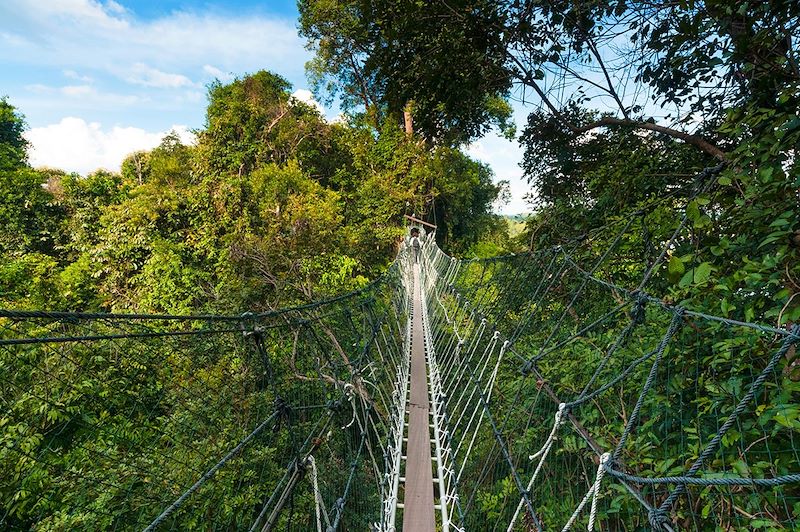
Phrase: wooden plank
[417,220]
[418,511]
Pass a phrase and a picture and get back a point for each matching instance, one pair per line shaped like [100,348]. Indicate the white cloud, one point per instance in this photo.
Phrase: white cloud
[77,90]
[141,74]
[88,95]
[94,14]
[216,73]
[503,156]
[305,96]
[88,34]
[71,74]
[114,7]
[39,88]
[340,118]
[77,146]
[104,67]
[192,96]
[14,40]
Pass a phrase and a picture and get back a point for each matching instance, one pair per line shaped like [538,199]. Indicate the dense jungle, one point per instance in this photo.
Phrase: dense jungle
[683,185]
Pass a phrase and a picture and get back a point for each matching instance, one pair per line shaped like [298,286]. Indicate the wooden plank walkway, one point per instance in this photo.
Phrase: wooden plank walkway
[418,511]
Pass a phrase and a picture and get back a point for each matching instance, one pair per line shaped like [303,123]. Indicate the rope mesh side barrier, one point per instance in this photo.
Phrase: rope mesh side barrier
[567,390]
[161,422]
[679,419]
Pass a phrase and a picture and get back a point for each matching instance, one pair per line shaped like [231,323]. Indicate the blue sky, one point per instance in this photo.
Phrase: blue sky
[99,79]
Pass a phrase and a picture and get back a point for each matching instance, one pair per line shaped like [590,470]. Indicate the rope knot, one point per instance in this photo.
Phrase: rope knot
[301,465]
[349,396]
[335,404]
[527,368]
[658,517]
[283,408]
[249,327]
[638,309]
[561,413]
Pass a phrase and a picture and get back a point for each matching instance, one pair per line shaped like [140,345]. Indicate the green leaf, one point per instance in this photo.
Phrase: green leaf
[772,237]
[693,210]
[675,266]
[741,468]
[702,273]
[791,124]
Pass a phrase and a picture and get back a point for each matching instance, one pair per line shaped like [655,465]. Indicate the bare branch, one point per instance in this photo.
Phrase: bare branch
[694,140]
[610,89]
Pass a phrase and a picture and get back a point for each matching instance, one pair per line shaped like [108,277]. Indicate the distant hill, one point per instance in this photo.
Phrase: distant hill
[516,223]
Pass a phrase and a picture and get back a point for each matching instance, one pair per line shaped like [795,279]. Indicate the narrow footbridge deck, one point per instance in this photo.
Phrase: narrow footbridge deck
[418,514]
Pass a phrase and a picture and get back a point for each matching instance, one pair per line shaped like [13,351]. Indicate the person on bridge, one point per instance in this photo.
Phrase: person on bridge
[416,244]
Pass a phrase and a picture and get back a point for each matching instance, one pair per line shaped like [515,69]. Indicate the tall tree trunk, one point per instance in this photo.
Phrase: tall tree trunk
[407,119]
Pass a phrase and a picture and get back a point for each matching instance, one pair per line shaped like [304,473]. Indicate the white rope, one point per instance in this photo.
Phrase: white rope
[349,391]
[593,493]
[488,392]
[578,510]
[486,355]
[319,506]
[600,472]
[542,455]
[462,368]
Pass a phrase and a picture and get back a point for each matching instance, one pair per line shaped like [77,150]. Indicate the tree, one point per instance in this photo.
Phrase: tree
[253,121]
[455,58]
[341,37]
[29,216]
[463,197]
[13,146]
[377,54]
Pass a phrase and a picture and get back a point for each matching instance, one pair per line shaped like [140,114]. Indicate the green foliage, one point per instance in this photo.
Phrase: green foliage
[29,215]
[252,121]
[13,146]
[274,206]
[251,217]
[370,52]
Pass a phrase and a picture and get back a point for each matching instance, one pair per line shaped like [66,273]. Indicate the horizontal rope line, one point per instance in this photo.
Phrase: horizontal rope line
[63,339]
[705,481]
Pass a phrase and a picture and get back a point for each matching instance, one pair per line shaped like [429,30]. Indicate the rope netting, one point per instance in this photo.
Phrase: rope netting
[572,398]
[259,421]
[566,389]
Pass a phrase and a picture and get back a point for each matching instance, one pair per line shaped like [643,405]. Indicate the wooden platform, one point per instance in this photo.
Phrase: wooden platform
[418,512]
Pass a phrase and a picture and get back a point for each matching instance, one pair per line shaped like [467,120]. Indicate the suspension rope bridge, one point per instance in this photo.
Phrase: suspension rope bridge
[526,392]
